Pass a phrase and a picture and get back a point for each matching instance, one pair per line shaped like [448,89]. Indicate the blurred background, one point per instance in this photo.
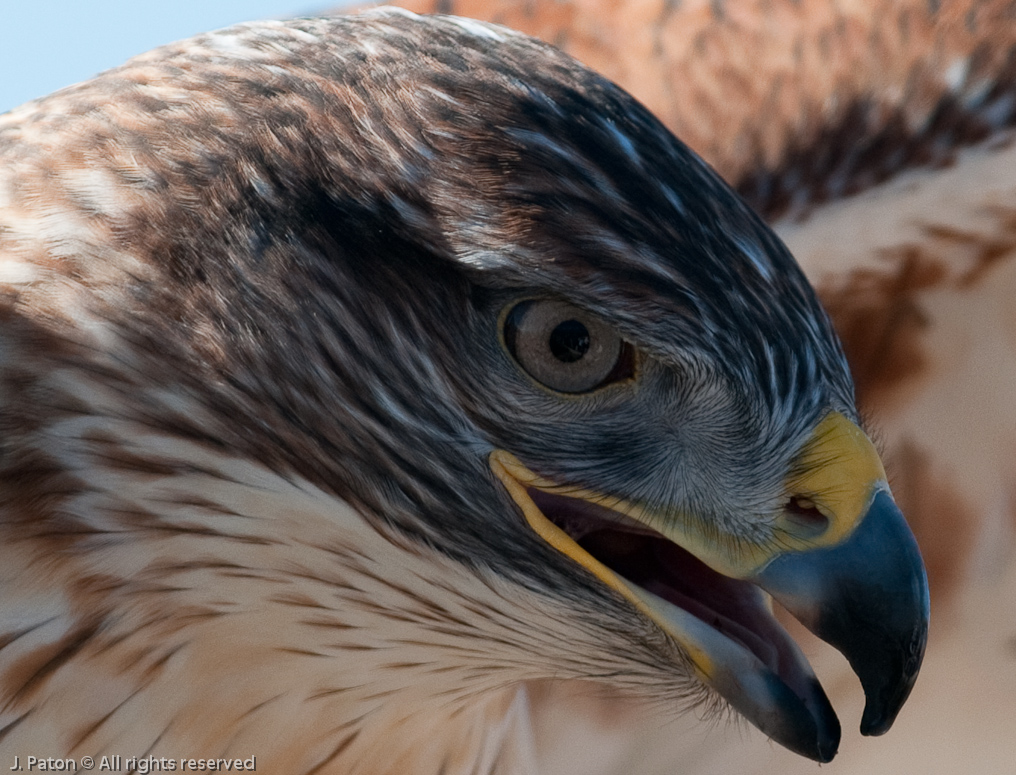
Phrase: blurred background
[877,138]
[53,43]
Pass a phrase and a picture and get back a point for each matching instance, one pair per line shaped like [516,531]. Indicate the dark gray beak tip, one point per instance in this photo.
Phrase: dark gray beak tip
[874,721]
[807,724]
[867,597]
[827,741]
[827,749]
[884,700]
[881,621]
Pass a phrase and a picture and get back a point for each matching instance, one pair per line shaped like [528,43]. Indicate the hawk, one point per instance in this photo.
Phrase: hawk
[358,371]
[876,139]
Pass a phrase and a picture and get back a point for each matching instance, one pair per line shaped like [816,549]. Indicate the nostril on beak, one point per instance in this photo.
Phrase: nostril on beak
[805,517]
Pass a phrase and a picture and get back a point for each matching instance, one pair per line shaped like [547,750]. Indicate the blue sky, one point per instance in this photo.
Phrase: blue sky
[47,45]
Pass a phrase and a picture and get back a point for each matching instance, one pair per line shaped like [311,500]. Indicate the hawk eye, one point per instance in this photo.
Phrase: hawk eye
[569,341]
[564,347]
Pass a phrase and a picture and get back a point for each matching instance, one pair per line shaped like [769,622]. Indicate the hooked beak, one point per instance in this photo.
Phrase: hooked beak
[855,578]
[867,597]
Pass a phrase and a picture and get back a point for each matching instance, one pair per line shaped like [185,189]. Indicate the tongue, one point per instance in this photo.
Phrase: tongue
[790,707]
[723,624]
[736,608]
[756,666]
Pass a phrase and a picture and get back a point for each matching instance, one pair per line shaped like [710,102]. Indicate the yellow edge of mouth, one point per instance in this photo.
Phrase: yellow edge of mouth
[503,464]
[839,470]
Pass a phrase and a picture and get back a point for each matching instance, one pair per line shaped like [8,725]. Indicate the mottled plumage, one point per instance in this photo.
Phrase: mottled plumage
[255,383]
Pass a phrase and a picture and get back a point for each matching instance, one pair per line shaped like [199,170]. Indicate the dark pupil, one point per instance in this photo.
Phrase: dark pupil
[569,341]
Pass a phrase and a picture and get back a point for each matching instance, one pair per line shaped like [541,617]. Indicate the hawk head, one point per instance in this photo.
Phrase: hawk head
[408,359]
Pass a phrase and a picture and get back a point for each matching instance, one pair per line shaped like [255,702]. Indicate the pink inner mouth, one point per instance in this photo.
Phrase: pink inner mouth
[735,608]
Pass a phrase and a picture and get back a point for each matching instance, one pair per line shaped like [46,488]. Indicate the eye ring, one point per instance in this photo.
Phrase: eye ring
[564,347]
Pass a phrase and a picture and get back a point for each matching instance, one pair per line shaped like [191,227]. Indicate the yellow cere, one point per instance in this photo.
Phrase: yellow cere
[839,471]
[516,478]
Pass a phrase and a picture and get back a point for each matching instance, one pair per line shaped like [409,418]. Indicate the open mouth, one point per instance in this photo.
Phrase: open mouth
[845,565]
[735,609]
[723,625]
